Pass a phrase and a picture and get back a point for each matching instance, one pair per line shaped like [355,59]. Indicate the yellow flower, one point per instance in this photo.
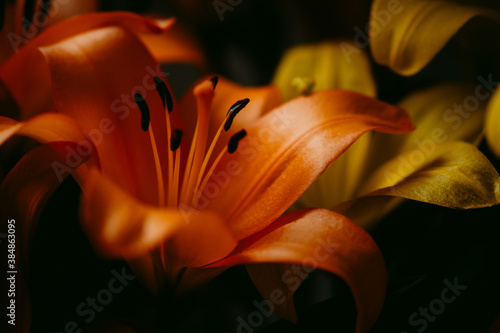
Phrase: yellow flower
[412,35]
[431,164]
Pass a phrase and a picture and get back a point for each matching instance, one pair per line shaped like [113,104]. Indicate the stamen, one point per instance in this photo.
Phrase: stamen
[143,106]
[231,148]
[175,141]
[175,188]
[204,95]
[230,113]
[159,174]
[215,80]
[166,97]
[233,111]
[145,118]
[235,139]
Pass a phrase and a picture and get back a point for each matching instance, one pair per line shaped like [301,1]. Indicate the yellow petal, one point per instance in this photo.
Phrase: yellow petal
[442,113]
[454,175]
[331,65]
[314,238]
[492,121]
[406,36]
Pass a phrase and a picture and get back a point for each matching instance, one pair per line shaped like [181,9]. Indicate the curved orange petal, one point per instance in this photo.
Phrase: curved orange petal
[25,192]
[50,127]
[28,80]
[323,239]
[285,151]
[95,76]
[175,46]
[121,226]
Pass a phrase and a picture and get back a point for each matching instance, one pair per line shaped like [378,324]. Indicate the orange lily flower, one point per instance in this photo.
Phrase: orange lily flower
[184,189]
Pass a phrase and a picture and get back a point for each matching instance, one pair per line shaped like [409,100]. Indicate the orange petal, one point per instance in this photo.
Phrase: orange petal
[121,226]
[21,70]
[51,127]
[44,128]
[285,151]
[323,239]
[95,76]
[25,192]
[175,46]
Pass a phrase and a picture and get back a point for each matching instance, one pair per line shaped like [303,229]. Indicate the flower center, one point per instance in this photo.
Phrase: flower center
[186,191]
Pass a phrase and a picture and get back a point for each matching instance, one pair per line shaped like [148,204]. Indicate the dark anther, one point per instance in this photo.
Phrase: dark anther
[166,97]
[233,111]
[175,141]
[235,139]
[143,106]
[215,80]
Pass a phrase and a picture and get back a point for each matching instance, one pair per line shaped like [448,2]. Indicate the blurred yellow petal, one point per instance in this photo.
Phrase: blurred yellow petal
[454,175]
[331,64]
[493,123]
[442,113]
[407,36]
